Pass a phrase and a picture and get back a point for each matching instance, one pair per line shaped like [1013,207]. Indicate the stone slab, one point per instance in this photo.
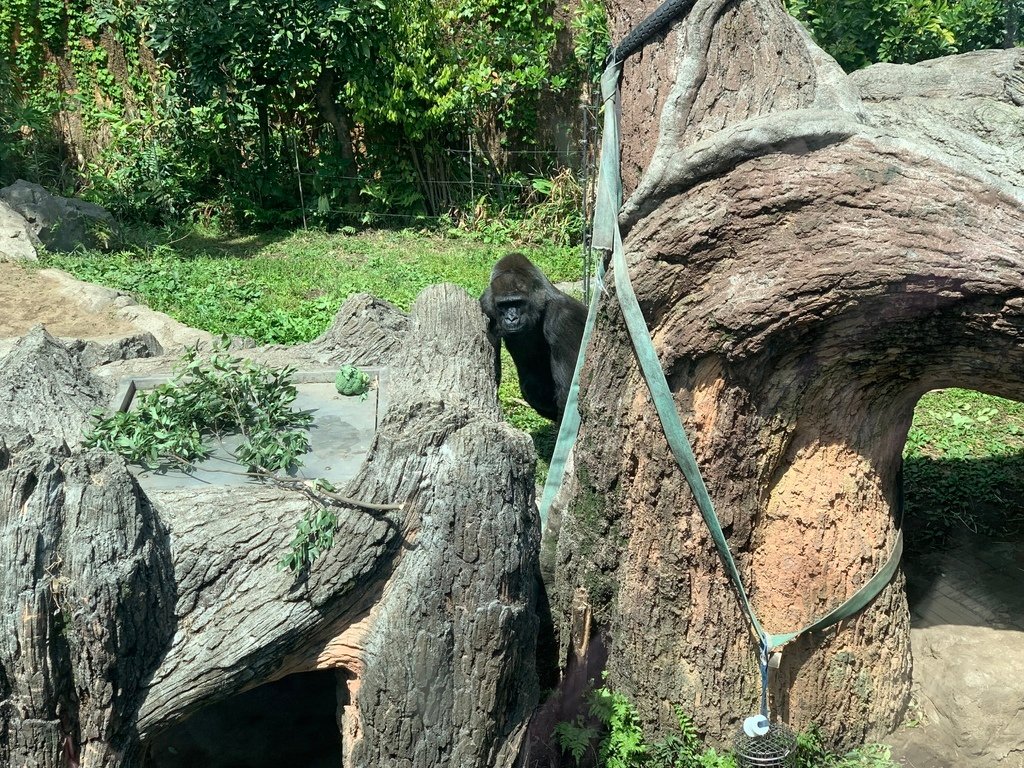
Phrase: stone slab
[340,437]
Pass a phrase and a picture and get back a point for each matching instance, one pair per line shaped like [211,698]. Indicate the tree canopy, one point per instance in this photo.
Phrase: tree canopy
[271,111]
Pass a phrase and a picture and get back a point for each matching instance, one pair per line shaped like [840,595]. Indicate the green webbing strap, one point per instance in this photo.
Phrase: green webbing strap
[570,426]
[606,228]
[609,200]
[606,236]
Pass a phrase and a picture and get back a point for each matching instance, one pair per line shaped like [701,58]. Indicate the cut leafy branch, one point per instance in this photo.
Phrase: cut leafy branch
[208,399]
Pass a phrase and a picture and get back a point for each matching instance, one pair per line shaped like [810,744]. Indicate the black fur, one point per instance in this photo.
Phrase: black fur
[542,329]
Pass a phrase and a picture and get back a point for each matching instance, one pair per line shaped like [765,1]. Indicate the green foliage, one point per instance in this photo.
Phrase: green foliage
[621,742]
[575,738]
[276,112]
[868,756]
[623,745]
[963,466]
[592,39]
[979,24]
[259,84]
[272,112]
[685,750]
[862,32]
[314,534]
[207,399]
[86,62]
[500,60]
[554,214]
[812,753]
[351,381]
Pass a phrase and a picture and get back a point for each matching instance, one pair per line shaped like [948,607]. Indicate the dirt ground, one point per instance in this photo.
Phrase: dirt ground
[30,296]
[967,637]
[70,308]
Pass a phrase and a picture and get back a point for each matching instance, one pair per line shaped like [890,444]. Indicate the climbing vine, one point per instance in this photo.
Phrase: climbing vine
[82,98]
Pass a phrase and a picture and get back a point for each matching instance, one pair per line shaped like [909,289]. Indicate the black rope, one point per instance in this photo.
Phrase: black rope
[660,18]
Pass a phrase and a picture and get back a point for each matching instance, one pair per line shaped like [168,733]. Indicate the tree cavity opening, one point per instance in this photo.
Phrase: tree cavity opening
[963,491]
[291,721]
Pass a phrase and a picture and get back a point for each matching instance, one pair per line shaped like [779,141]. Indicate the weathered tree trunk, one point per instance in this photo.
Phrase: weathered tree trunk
[87,585]
[812,253]
[124,612]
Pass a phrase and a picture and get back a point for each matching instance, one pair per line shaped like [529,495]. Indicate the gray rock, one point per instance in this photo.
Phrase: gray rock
[95,354]
[44,390]
[17,241]
[60,223]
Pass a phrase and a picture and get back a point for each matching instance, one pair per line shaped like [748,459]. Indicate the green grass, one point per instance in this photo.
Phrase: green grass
[522,416]
[963,467]
[284,288]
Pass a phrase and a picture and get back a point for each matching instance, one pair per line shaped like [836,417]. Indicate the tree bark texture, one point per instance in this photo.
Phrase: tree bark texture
[813,252]
[44,391]
[126,611]
[87,590]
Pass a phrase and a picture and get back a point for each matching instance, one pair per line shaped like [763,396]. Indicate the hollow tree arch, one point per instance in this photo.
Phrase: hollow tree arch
[812,252]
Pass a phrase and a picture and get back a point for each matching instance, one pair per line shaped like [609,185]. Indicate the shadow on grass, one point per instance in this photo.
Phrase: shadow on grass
[190,242]
[544,433]
[942,496]
[544,438]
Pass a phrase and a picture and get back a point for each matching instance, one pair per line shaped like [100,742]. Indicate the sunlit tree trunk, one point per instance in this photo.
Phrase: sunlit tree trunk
[812,252]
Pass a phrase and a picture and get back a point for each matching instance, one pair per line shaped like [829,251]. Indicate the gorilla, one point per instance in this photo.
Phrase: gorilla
[542,329]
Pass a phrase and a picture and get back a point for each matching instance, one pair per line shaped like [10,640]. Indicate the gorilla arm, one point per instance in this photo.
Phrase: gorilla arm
[563,331]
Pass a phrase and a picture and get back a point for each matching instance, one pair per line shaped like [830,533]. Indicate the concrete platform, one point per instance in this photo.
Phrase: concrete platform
[340,436]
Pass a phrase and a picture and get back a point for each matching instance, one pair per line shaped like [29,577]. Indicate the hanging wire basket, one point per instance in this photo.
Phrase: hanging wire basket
[773,749]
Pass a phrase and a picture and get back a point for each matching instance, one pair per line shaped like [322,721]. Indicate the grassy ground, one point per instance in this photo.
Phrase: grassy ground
[284,288]
[963,466]
[964,458]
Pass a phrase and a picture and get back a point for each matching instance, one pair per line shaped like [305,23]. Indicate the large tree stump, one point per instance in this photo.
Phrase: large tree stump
[812,253]
[124,611]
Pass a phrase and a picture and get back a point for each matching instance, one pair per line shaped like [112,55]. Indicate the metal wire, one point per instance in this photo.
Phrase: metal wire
[773,750]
